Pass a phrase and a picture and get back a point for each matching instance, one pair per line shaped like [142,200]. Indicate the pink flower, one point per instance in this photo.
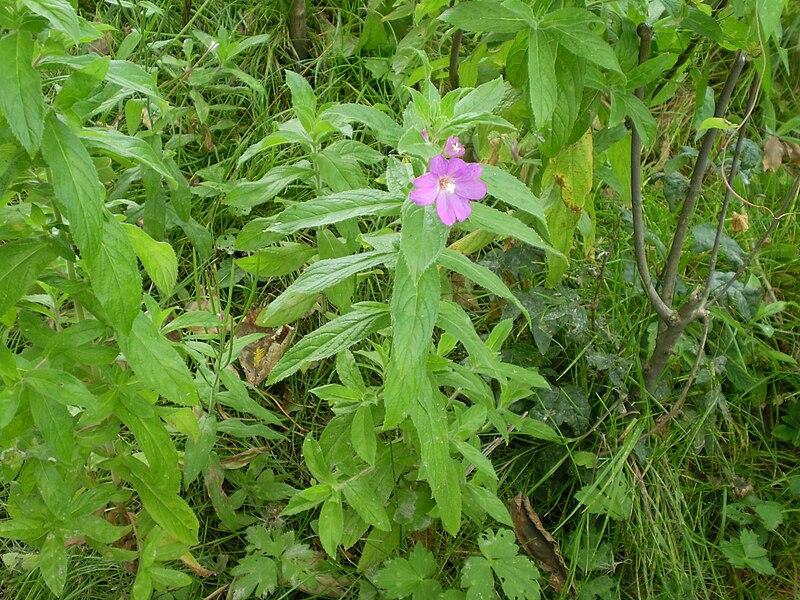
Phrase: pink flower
[453,147]
[452,184]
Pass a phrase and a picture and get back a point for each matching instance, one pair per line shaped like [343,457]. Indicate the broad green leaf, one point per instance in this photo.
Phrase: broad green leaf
[337,335]
[483,99]
[54,562]
[115,277]
[506,225]
[78,191]
[23,528]
[429,416]
[362,498]
[125,74]
[362,434]
[483,276]
[157,258]
[54,422]
[542,83]
[454,320]
[304,102]
[60,387]
[413,307]
[571,27]
[383,127]
[489,502]
[153,439]
[329,246]
[307,499]
[167,509]
[157,363]
[285,309]
[21,99]
[639,114]
[21,262]
[60,14]
[315,460]
[255,574]
[276,138]
[480,16]
[249,194]
[276,261]
[331,525]
[82,84]
[507,188]
[335,209]
[410,577]
[567,116]
[132,148]
[339,172]
[477,458]
[422,237]
[326,273]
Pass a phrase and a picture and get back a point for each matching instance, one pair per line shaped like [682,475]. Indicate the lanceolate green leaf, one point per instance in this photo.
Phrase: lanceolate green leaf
[571,27]
[167,509]
[249,194]
[382,125]
[454,320]
[366,503]
[276,261]
[479,16]
[136,149]
[336,208]
[60,14]
[422,238]
[21,262]
[304,101]
[542,84]
[21,90]
[484,277]
[115,277]
[441,472]
[78,191]
[506,225]
[157,258]
[337,335]
[326,273]
[414,306]
[54,562]
[507,188]
[157,364]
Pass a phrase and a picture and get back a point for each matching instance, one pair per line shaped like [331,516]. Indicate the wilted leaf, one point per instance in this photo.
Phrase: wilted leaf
[793,151]
[773,154]
[537,542]
[740,222]
[258,359]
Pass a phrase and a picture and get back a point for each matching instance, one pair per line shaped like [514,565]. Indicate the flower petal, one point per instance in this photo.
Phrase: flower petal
[453,147]
[444,208]
[462,207]
[439,165]
[473,189]
[457,166]
[426,188]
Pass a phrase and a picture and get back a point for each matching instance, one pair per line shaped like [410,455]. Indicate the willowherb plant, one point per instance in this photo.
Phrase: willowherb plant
[402,448]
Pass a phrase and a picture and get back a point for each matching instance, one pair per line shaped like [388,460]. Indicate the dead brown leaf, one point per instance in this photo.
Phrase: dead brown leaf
[258,359]
[773,154]
[740,222]
[195,567]
[793,151]
[537,542]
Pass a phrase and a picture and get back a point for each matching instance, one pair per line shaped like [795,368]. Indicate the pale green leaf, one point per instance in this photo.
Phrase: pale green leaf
[480,16]
[118,144]
[276,261]
[60,14]
[21,262]
[542,83]
[157,258]
[21,99]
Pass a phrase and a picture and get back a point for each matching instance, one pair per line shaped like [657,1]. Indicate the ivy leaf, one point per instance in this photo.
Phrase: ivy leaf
[21,99]
[747,552]
[401,577]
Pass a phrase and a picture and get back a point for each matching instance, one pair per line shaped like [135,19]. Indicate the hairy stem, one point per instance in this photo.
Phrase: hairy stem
[684,219]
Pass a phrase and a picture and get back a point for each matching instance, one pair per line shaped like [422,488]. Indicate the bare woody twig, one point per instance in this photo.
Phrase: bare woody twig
[670,274]
[755,86]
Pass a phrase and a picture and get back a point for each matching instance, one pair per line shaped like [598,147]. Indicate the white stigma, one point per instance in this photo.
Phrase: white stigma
[448,184]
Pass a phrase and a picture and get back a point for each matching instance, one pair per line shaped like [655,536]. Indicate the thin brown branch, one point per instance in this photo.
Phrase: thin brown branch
[755,86]
[455,48]
[670,274]
[297,28]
